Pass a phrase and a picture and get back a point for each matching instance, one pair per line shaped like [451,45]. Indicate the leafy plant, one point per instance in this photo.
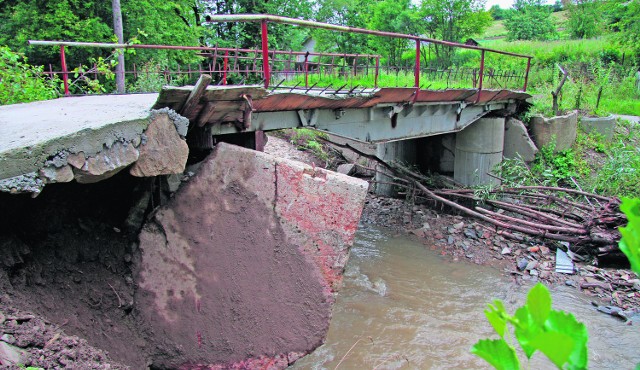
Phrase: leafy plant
[22,83]
[557,334]
[308,139]
[630,242]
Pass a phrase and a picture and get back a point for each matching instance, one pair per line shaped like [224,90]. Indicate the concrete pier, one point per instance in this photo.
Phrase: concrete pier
[478,149]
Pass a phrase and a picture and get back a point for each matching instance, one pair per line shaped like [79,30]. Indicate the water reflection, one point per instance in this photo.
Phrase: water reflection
[404,306]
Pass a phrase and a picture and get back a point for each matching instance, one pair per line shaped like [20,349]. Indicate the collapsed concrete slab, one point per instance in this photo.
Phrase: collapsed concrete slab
[517,143]
[86,140]
[240,268]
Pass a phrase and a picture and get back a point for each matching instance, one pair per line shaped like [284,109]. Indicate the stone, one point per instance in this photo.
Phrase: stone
[560,130]
[522,263]
[248,254]
[458,225]
[52,174]
[11,355]
[533,272]
[164,152]
[76,159]
[531,265]
[418,232]
[470,233]
[346,169]
[506,250]
[517,143]
[106,163]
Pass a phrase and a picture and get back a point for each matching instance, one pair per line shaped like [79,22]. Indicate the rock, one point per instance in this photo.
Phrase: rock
[76,159]
[533,249]
[470,233]
[458,225]
[2,318]
[418,232]
[346,169]
[450,240]
[506,250]
[426,226]
[533,272]
[164,153]
[53,174]
[106,163]
[570,283]
[544,250]
[8,338]
[11,355]
[531,265]
[522,263]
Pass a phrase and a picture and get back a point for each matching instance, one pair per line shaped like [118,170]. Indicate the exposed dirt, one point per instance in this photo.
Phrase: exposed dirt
[66,265]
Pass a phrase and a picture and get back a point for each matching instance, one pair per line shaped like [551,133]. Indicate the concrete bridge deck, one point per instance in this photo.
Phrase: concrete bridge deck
[40,135]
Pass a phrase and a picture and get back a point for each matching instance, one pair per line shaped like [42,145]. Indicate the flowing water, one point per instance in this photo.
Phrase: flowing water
[404,306]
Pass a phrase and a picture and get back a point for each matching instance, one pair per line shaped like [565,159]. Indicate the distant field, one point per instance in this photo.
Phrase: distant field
[497,30]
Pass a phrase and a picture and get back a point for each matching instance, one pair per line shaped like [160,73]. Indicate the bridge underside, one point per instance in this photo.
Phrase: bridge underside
[370,115]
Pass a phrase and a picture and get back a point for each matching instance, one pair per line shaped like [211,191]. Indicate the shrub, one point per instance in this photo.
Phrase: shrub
[21,82]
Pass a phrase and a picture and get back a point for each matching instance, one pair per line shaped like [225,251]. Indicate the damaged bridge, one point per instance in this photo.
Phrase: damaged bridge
[218,256]
[240,266]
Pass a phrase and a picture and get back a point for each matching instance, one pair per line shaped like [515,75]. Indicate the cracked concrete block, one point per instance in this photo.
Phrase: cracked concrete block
[244,261]
[52,174]
[164,152]
[517,142]
[106,163]
[560,130]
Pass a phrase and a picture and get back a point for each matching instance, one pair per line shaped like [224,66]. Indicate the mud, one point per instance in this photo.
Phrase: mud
[67,259]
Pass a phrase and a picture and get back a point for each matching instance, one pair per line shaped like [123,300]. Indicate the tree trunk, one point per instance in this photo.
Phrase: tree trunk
[117,28]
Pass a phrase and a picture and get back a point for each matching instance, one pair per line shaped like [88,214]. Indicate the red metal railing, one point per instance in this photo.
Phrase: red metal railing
[278,62]
[264,18]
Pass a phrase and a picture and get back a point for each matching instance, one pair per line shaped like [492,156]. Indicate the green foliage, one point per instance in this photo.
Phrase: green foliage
[585,19]
[537,327]
[21,82]
[309,140]
[453,21]
[625,17]
[630,242]
[558,168]
[530,21]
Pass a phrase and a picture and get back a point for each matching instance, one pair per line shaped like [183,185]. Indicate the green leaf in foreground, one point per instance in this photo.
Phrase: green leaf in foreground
[630,242]
[498,353]
[539,303]
[566,324]
[496,315]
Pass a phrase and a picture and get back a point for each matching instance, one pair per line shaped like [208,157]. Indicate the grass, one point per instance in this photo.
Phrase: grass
[609,168]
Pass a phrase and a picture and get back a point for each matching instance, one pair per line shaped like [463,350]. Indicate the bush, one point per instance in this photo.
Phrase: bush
[21,82]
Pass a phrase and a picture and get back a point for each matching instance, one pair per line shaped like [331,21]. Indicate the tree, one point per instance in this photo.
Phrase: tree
[398,16]
[453,20]
[626,25]
[585,19]
[344,13]
[530,20]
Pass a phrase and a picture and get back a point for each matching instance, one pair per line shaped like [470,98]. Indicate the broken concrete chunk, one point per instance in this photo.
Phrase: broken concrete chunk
[164,152]
[246,257]
[106,163]
[517,143]
[27,183]
[346,169]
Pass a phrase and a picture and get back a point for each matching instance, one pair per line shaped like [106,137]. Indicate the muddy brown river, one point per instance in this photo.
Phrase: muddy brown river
[404,306]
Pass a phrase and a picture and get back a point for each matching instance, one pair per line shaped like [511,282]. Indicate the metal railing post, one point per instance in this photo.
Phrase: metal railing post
[306,70]
[265,54]
[526,75]
[377,71]
[65,72]
[481,75]
[417,66]
[225,65]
